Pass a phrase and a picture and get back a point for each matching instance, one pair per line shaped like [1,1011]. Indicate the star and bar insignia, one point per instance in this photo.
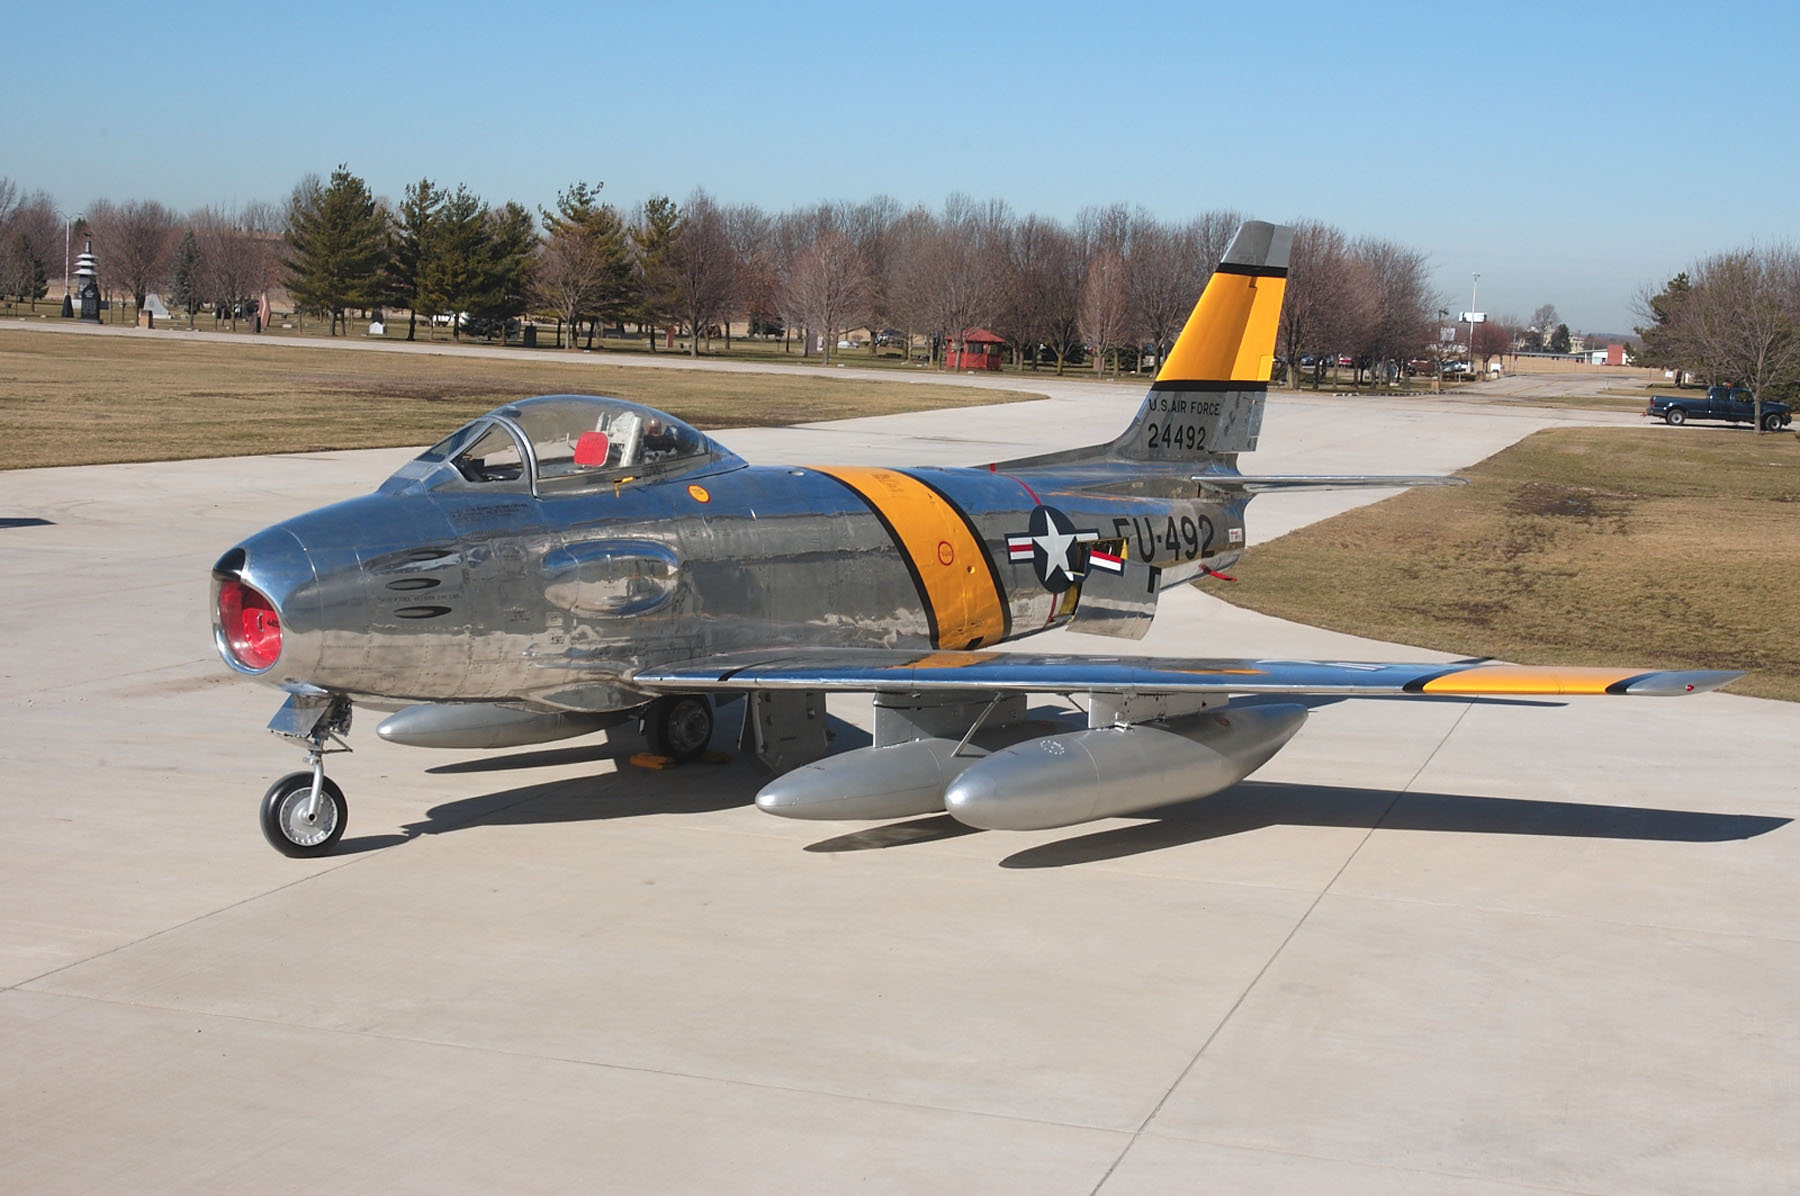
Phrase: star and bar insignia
[1050,544]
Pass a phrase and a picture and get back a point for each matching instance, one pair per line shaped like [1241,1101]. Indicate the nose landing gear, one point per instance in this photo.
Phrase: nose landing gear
[303,814]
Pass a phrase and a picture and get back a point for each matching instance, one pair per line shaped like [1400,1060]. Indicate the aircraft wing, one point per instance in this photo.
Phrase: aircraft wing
[870,670]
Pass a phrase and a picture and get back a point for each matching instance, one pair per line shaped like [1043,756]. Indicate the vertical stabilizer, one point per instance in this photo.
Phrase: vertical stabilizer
[1208,396]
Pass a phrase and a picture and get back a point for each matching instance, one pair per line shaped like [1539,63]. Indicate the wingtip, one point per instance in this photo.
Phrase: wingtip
[1680,682]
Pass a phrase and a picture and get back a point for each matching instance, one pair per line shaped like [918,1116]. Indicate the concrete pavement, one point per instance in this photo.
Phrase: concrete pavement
[1431,947]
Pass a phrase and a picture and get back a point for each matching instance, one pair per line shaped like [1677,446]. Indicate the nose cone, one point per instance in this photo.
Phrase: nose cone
[265,607]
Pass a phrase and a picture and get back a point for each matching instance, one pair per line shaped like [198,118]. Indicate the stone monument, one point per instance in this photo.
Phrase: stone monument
[87,284]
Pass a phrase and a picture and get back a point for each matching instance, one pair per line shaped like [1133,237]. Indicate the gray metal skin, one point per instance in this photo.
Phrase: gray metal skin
[437,588]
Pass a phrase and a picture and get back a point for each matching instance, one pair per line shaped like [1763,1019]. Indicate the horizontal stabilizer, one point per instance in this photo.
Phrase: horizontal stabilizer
[1236,483]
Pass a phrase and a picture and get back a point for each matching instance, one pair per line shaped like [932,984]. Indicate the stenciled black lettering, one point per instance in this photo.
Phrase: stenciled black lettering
[1190,535]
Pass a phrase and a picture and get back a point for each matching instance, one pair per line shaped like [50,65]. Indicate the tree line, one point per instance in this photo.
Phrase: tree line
[1112,284]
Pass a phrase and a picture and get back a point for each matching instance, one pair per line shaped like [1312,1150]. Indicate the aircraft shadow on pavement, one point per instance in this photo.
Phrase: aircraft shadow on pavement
[702,789]
[1247,806]
[1253,805]
[629,792]
[589,753]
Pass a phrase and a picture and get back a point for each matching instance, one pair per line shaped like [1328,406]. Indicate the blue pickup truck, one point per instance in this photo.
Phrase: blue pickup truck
[1731,403]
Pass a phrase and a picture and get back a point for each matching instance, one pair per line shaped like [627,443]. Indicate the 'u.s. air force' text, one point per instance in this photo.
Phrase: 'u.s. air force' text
[1181,425]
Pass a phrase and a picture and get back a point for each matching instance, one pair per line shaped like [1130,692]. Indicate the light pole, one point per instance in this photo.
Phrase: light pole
[68,227]
[1473,287]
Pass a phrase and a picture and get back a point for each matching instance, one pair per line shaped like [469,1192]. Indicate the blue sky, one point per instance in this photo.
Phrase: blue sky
[1567,153]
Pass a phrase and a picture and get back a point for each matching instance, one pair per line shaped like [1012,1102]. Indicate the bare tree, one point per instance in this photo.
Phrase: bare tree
[1330,301]
[135,241]
[567,280]
[954,268]
[30,235]
[1212,232]
[1061,278]
[1104,229]
[1743,310]
[758,294]
[702,268]
[870,225]
[828,287]
[796,231]
[1040,290]
[1104,306]
[908,284]
[1167,267]
[1404,303]
[1492,338]
[239,252]
[1159,287]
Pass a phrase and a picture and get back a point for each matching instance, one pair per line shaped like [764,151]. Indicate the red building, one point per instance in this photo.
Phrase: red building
[976,349]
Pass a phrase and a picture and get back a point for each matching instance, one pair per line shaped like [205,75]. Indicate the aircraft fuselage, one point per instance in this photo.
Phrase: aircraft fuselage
[437,588]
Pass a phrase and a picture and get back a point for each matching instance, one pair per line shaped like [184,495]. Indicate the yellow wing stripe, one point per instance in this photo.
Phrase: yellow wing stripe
[1493,679]
[963,604]
[1230,337]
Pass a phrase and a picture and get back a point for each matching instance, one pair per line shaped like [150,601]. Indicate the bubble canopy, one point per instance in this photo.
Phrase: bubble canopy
[564,442]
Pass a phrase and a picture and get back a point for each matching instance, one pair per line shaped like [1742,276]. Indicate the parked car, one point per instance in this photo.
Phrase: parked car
[1733,404]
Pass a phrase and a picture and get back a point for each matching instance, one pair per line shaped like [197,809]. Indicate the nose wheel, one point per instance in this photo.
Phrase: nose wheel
[303,814]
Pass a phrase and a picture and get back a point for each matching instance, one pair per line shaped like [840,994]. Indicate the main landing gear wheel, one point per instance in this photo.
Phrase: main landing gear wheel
[679,726]
[291,824]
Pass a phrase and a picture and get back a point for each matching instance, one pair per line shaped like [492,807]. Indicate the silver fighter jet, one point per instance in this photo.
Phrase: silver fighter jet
[567,563]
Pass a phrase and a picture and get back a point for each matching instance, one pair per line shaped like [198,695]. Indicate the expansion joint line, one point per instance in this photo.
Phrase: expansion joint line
[1393,800]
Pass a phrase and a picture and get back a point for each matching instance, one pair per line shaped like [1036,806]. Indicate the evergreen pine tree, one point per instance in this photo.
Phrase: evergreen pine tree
[337,246]
[184,284]
[450,279]
[506,263]
[656,237]
[410,247]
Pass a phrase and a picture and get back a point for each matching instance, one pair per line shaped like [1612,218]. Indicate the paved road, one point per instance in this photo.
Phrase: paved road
[1432,947]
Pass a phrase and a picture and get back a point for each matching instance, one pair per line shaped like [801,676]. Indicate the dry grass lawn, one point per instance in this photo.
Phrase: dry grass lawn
[85,400]
[1656,546]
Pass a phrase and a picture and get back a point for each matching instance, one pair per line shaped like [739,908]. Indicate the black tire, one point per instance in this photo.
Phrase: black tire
[1771,422]
[679,726]
[284,824]
[1675,415]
